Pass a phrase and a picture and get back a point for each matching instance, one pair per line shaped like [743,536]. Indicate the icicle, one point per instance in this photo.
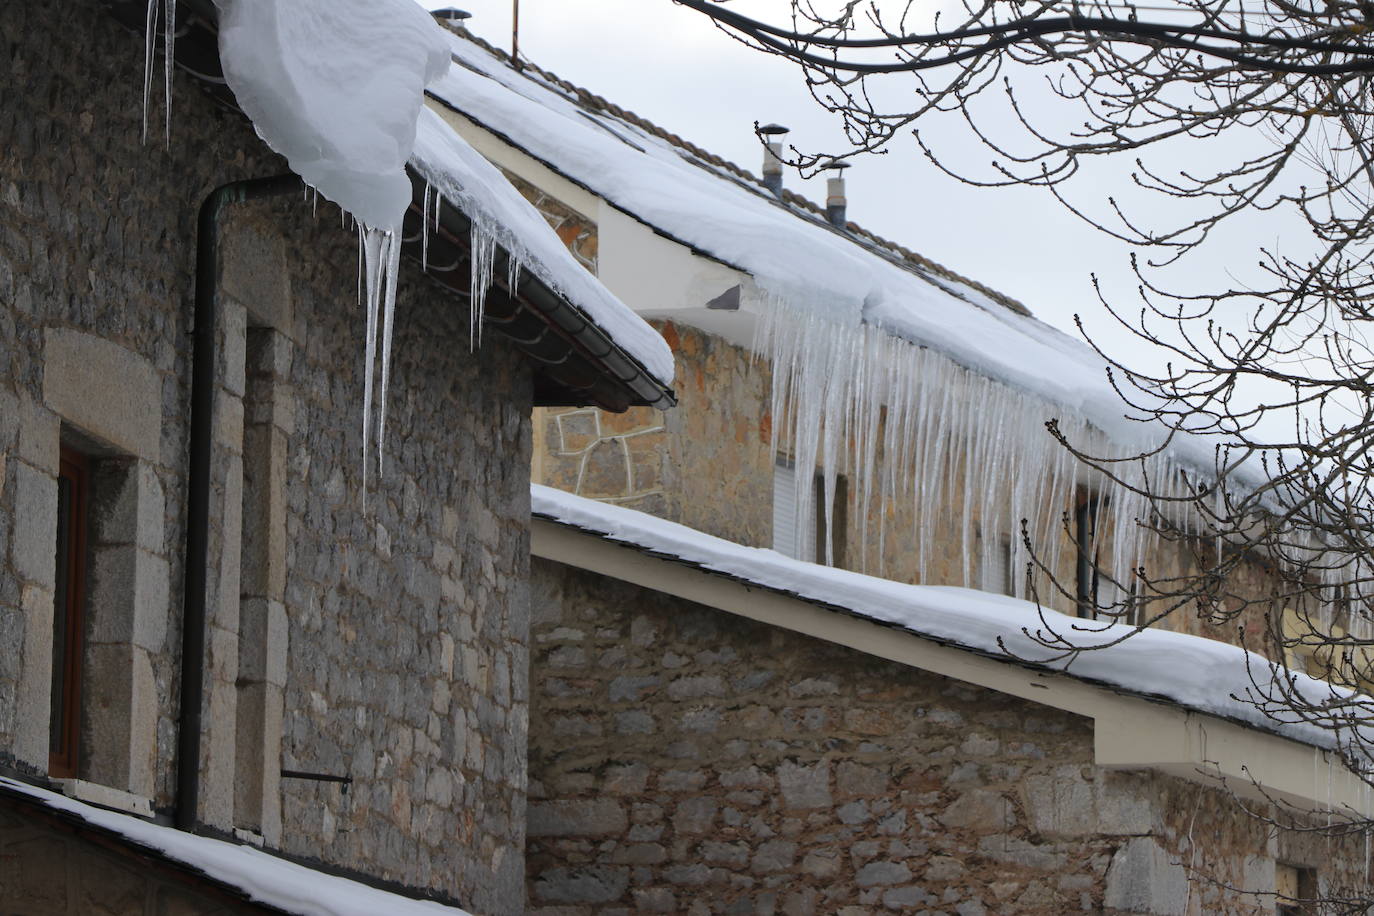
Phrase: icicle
[169,14]
[372,241]
[380,250]
[424,232]
[168,11]
[483,264]
[149,52]
[911,427]
[392,248]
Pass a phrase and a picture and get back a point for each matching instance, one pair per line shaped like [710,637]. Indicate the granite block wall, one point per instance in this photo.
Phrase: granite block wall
[683,760]
[386,639]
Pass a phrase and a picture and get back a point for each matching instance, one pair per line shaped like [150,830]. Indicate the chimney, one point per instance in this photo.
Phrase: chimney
[451,16]
[772,156]
[835,201]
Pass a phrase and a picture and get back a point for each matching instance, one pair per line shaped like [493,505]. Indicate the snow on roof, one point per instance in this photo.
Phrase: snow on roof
[463,177]
[337,86]
[790,255]
[334,86]
[263,878]
[1197,673]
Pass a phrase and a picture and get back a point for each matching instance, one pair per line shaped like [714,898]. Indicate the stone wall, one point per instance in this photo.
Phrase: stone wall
[683,760]
[706,463]
[377,636]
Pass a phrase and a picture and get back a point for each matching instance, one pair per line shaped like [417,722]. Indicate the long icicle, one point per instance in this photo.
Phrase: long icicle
[169,22]
[149,52]
[392,248]
[372,242]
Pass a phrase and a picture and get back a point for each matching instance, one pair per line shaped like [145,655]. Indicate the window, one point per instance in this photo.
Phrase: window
[792,536]
[1089,576]
[996,574]
[69,614]
[1296,889]
[807,538]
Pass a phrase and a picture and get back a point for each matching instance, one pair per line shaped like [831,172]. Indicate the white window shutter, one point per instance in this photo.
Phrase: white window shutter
[792,536]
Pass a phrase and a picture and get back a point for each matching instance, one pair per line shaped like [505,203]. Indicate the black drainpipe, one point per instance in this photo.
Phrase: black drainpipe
[205,318]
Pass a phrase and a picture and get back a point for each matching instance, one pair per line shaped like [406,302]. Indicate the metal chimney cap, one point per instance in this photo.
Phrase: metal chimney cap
[836,164]
[774,130]
[451,14]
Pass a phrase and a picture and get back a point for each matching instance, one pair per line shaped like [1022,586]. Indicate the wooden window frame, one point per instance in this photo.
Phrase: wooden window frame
[1087,520]
[839,503]
[69,613]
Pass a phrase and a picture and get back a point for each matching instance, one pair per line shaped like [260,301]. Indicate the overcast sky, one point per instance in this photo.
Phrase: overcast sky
[672,66]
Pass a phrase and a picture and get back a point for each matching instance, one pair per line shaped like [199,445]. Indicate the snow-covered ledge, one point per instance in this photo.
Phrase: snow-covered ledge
[261,877]
[106,797]
[1130,731]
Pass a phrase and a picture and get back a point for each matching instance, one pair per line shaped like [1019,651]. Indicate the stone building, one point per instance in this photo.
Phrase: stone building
[258,643]
[719,728]
[238,674]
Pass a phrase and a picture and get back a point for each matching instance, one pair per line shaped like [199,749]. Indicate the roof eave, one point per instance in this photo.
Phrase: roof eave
[576,362]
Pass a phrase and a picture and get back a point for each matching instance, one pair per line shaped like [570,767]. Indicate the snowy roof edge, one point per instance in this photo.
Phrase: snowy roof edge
[442,158]
[893,251]
[1131,668]
[262,878]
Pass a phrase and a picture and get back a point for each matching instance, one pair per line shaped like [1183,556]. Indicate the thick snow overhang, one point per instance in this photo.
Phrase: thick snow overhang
[577,361]
[1160,700]
[233,871]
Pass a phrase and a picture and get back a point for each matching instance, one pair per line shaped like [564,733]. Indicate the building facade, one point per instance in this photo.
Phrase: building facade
[362,687]
[695,752]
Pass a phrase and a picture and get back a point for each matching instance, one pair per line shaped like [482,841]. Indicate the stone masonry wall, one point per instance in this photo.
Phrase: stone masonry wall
[706,463]
[396,623]
[683,760]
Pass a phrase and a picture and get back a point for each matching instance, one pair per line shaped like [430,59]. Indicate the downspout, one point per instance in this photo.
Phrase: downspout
[205,319]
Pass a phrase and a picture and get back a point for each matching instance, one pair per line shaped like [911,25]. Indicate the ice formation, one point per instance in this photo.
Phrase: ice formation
[908,381]
[907,423]
[167,9]
[336,87]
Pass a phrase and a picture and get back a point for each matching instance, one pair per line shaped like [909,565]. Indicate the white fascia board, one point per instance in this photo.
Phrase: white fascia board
[502,154]
[651,273]
[1129,732]
[657,276]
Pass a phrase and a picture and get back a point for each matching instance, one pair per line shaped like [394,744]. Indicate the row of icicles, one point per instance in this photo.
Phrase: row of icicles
[909,427]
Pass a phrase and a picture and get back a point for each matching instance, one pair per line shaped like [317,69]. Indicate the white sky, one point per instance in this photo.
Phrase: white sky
[670,65]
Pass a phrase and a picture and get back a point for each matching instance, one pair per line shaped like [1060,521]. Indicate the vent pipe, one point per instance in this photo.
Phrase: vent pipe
[835,200]
[772,156]
[452,16]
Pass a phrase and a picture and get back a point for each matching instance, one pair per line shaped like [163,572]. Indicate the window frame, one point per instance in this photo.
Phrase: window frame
[69,613]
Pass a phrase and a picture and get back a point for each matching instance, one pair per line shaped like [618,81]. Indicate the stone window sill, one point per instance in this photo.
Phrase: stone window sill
[106,797]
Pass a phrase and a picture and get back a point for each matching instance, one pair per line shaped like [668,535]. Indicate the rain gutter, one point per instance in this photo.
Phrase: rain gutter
[203,364]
